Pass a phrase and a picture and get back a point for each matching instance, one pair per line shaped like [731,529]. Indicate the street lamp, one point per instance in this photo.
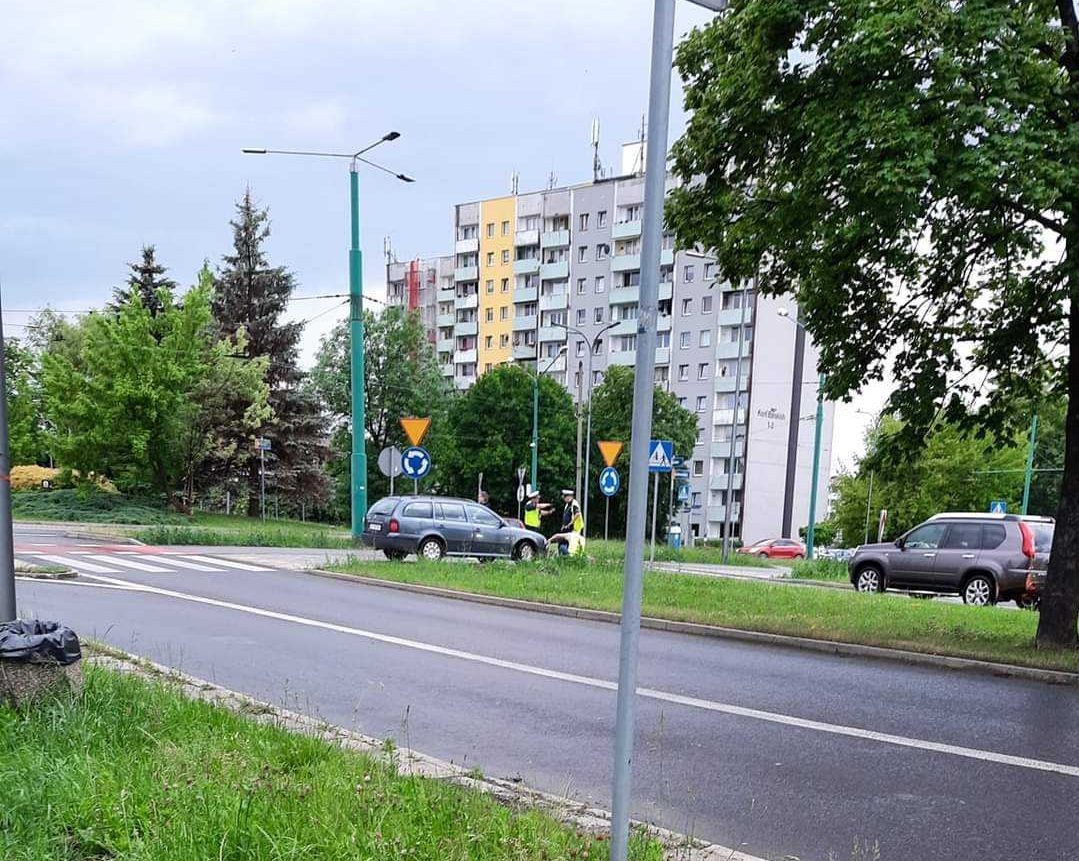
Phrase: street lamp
[355,291]
[592,343]
[535,412]
[811,528]
[655,181]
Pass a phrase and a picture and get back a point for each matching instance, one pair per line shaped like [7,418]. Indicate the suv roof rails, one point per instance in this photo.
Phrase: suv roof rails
[989,515]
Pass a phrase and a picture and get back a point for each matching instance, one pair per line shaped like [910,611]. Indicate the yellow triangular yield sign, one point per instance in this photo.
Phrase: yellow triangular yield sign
[416,428]
[610,450]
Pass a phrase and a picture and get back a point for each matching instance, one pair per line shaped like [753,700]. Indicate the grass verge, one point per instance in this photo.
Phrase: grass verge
[133,770]
[988,633]
[701,554]
[219,529]
[82,506]
[820,569]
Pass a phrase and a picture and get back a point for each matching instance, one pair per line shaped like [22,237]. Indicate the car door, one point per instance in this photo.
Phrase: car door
[489,537]
[958,550]
[914,563]
[455,528]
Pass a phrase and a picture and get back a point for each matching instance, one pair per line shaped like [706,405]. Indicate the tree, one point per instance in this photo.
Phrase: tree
[612,418]
[490,431]
[147,281]
[402,378]
[251,295]
[26,430]
[907,171]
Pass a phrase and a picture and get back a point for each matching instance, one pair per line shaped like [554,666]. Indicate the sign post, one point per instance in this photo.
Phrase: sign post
[415,464]
[660,459]
[610,449]
[609,482]
[881,524]
[263,447]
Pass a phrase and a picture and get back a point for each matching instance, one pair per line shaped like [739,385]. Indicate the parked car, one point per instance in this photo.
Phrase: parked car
[983,557]
[775,548]
[437,526]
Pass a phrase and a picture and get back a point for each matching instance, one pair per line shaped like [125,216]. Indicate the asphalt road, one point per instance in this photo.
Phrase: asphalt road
[770,750]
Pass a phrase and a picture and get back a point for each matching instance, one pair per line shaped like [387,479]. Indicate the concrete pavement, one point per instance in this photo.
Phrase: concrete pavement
[773,751]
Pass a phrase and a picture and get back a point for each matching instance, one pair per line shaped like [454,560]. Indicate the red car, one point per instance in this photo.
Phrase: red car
[776,548]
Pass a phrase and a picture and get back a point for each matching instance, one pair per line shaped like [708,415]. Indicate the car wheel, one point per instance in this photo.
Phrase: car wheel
[869,579]
[980,591]
[1026,602]
[525,551]
[395,555]
[799,556]
[431,549]
[763,554]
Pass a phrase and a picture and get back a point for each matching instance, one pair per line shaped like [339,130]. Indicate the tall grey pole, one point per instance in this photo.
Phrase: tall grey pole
[262,480]
[659,103]
[7,541]
[587,439]
[729,504]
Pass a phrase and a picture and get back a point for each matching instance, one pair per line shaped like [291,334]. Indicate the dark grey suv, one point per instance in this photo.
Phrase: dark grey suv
[985,558]
[437,526]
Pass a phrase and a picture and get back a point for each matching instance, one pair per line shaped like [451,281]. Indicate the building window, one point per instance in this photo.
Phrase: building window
[488,341]
[582,285]
[468,231]
[706,338]
[663,339]
[702,371]
[603,251]
[487,368]
[503,313]
[709,271]
[505,285]
[582,254]
[490,315]
[681,402]
[490,285]
[577,381]
[490,258]
[503,340]
[580,348]
[706,304]
[597,378]
[505,255]
[683,373]
[663,374]
[581,315]
[630,213]
[687,307]
[584,221]
[601,283]
[490,229]
[505,228]
[687,274]
[601,218]
[701,401]
[597,348]
[599,314]
[700,435]
[685,341]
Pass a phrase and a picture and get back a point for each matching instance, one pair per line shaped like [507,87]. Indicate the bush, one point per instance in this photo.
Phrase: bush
[90,505]
[30,478]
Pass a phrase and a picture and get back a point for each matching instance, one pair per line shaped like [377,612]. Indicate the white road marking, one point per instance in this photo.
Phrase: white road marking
[79,564]
[82,583]
[163,559]
[116,559]
[228,563]
[648,693]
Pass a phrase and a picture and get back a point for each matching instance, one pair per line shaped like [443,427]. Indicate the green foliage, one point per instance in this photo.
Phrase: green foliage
[490,430]
[831,570]
[147,281]
[612,419]
[26,431]
[87,505]
[824,534]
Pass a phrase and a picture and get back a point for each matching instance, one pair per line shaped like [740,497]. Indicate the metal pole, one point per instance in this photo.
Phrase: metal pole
[588,441]
[607,518]
[729,505]
[655,508]
[659,103]
[262,481]
[670,504]
[355,292]
[811,529]
[1030,461]
[7,540]
[535,425]
[868,505]
[577,479]
[393,465]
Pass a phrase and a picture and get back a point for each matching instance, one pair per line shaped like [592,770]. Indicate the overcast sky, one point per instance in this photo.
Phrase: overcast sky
[121,124]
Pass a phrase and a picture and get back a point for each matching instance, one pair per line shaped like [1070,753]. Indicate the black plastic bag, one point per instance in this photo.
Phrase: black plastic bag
[36,642]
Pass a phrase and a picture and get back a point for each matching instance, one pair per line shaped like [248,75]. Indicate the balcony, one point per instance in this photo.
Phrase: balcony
[525,294]
[471,300]
[552,333]
[445,345]
[624,295]
[552,366]
[555,271]
[718,481]
[444,320]
[554,239]
[718,513]
[526,237]
[524,353]
[466,273]
[728,417]
[444,295]
[622,357]
[465,357]
[524,323]
[467,328]
[447,369]
[554,301]
[729,384]
[733,317]
[466,246]
[464,382]
[663,355]
[724,448]
[729,350]
[625,262]
[526,267]
[624,327]
[663,323]
[625,230]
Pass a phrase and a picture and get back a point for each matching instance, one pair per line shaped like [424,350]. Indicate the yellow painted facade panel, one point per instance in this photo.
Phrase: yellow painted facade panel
[498,221]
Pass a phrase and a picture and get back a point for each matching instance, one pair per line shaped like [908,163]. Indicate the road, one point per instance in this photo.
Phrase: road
[774,751]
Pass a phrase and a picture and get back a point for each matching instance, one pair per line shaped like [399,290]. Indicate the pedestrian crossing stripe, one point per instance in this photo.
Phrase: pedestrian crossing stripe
[115,563]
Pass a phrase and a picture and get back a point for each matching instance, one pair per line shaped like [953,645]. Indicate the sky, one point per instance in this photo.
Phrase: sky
[122,123]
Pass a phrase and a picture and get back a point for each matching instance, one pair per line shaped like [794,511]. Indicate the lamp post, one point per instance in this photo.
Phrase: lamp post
[811,527]
[535,412]
[356,335]
[591,342]
[655,177]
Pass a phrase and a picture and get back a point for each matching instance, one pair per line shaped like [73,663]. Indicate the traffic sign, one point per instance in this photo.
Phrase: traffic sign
[609,481]
[660,454]
[415,428]
[681,472]
[998,506]
[610,449]
[678,461]
[415,462]
[520,475]
[683,492]
[262,444]
[389,461]
[520,493]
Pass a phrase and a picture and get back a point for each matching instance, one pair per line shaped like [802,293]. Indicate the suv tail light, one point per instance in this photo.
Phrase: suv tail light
[1028,540]
[394,526]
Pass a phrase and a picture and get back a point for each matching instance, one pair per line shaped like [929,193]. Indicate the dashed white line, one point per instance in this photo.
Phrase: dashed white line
[163,559]
[116,559]
[604,684]
[78,564]
[228,563]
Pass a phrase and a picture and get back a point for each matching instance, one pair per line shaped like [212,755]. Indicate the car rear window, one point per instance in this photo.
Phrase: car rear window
[482,516]
[452,511]
[418,509]
[993,536]
[1043,535]
[963,536]
[383,506]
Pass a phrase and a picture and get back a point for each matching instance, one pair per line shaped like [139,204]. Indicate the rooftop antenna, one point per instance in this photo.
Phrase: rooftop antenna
[552,180]
[387,249]
[515,182]
[597,165]
[638,162]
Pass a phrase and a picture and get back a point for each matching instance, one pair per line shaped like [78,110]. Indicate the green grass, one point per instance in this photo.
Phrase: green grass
[87,507]
[701,554]
[989,633]
[137,772]
[220,529]
[831,570]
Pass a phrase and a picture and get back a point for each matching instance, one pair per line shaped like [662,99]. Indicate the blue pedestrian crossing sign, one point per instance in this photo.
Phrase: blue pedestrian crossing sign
[609,481]
[660,455]
[998,506]
[415,462]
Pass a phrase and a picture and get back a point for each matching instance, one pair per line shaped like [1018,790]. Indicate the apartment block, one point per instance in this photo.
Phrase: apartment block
[536,277]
